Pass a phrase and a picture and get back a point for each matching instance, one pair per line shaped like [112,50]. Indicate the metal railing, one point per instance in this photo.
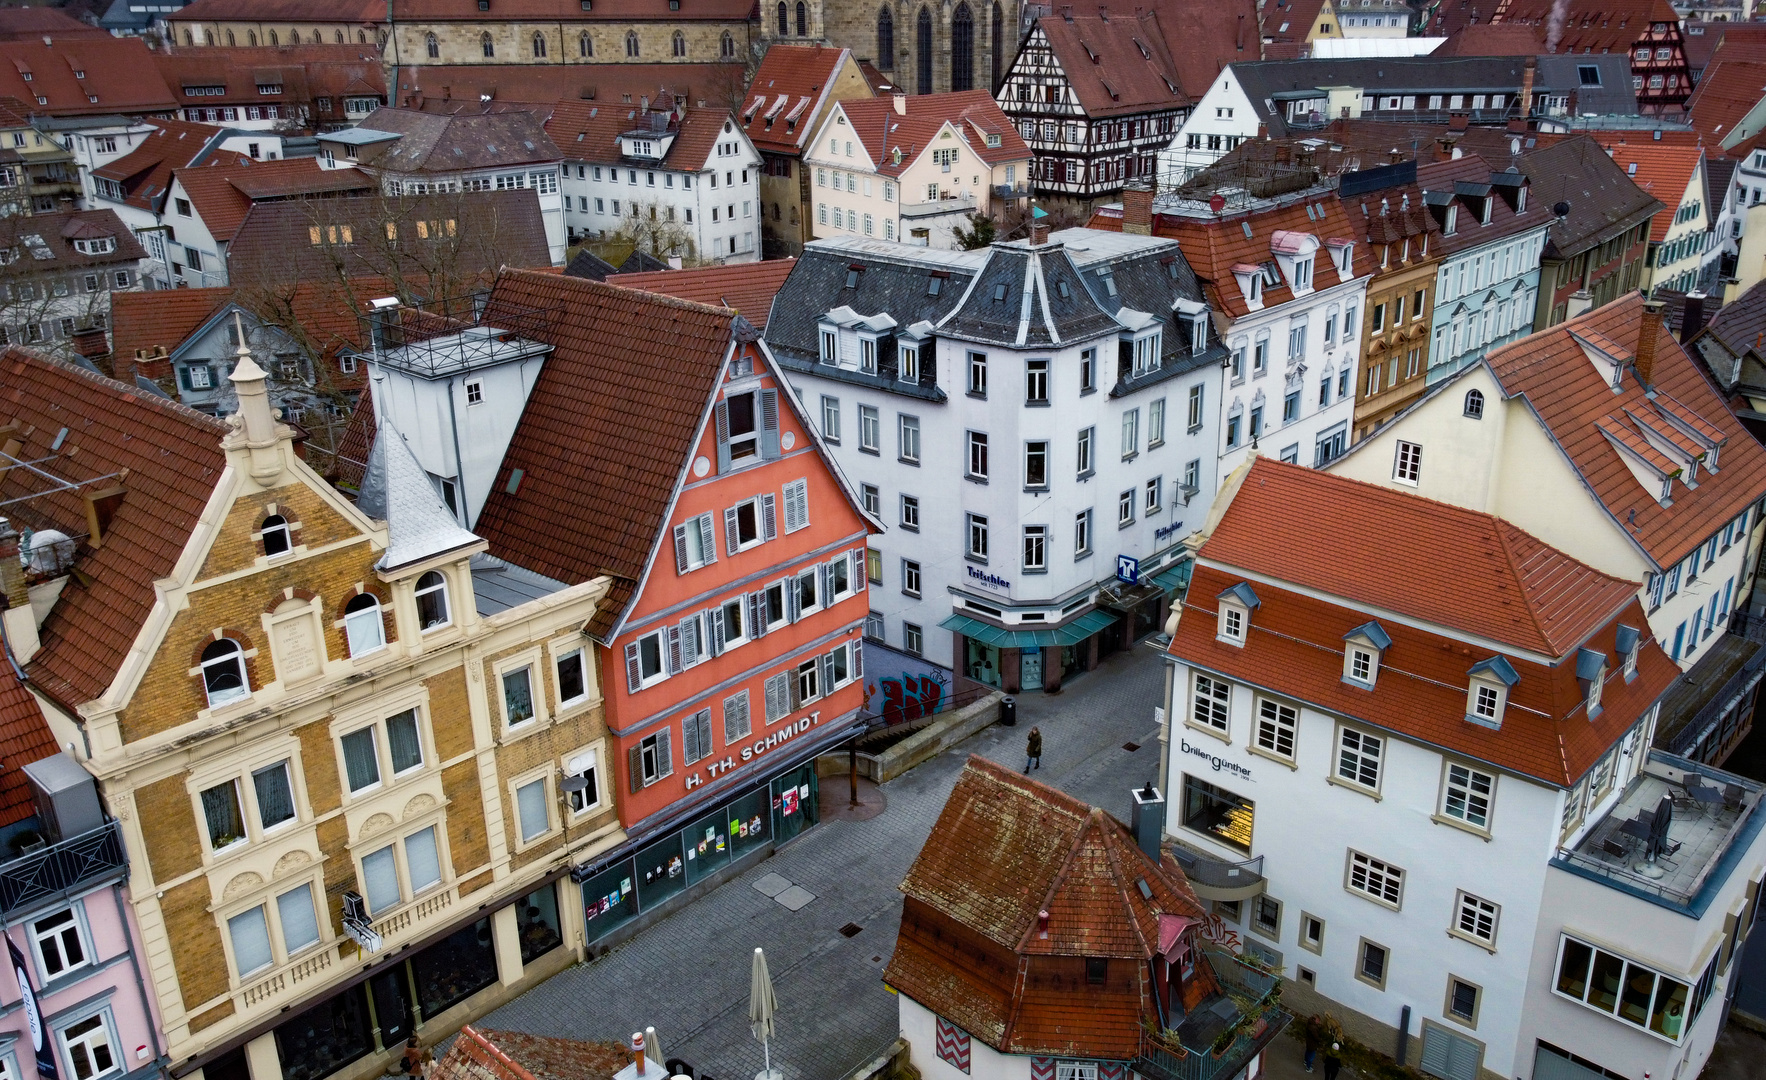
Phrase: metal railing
[61,868]
[1164,1057]
[1726,698]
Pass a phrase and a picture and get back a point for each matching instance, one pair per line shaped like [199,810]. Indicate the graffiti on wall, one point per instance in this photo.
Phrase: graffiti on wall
[900,687]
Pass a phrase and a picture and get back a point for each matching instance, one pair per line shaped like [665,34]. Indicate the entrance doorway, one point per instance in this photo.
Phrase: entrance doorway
[392,1006]
[1030,668]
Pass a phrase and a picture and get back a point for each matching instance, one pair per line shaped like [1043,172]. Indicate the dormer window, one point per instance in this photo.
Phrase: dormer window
[1236,606]
[867,354]
[830,352]
[1272,275]
[1629,642]
[1487,694]
[1452,222]
[1591,672]
[1302,274]
[98,245]
[1363,648]
[1146,353]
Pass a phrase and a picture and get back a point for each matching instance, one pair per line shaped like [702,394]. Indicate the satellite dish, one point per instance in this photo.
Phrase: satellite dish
[52,552]
[1561,209]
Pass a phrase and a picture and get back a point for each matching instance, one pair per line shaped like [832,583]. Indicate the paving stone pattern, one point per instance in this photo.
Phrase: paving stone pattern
[688,975]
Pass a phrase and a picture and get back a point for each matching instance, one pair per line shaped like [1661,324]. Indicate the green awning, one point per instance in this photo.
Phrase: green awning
[1176,576]
[1071,634]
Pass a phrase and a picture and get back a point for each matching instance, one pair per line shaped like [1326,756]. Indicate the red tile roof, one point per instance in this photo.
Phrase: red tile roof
[68,74]
[1494,39]
[267,11]
[24,737]
[701,85]
[145,172]
[513,1055]
[972,112]
[302,71]
[1570,398]
[1663,167]
[56,232]
[608,428]
[570,12]
[748,289]
[174,459]
[1117,66]
[589,131]
[787,93]
[20,23]
[1529,595]
[147,321]
[1295,648]
[1726,93]
[1004,848]
[1598,26]
[222,191]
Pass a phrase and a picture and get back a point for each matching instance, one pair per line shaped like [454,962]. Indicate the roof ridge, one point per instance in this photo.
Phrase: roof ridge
[1510,557]
[158,401]
[1112,852]
[590,285]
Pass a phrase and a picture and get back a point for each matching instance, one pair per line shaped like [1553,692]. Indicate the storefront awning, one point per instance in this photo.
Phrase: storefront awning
[1176,576]
[1071,634]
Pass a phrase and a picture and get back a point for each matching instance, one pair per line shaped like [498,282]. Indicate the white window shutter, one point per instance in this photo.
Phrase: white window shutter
[756,615]
[722,413]
[680,549]
[769,521]
[730,540]
[707,538]
[634,675]
[689,642]
[793,599]
[714,630]
[860,571]
[690,751]
[858,660]
[665,761]
[673,635]
[769,424]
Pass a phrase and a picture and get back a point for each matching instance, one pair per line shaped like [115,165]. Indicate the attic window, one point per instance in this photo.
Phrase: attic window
[852,273]
[999,292]
[1061,288]
[1108,279]
[1588,74]
[934,285]
[1096,967]
[993,140]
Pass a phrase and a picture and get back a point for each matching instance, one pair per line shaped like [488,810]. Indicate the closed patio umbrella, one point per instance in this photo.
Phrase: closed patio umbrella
[762,1006]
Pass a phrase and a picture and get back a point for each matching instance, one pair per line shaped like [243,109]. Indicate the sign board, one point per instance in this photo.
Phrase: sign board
[357,924]
[1128,569]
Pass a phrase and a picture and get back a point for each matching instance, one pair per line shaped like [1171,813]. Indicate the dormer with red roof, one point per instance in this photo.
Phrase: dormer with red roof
[1602,436]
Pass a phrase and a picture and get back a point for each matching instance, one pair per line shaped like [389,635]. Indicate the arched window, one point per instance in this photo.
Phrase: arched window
[885,40]
[585,46]
[923,51]
[726,47]
[276,537]
[230,40]
[680,44]
[432,601]
[431,46]
[362,625]
[539,45]
[485,46]
[273,39]
[294,36]
[784,19]
[997,45]
[1475,404]
[802,19]
[251,37]
[361,37]
[208,38]
[631,43]
[188,40]
[962,49]
[339,36]
[317,38]
[223,672]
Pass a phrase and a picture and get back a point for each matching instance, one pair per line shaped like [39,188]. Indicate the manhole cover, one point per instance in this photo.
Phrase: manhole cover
[1131,747]
[851,929]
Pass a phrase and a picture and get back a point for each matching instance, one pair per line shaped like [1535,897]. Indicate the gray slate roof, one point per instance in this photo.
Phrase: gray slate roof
[398,491]
[1603,202]
[498,585]
[1559,74]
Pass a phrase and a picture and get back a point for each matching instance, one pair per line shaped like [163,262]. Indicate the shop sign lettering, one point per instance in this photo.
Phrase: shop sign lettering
[992,581]
[759,746]
[1218,763]
[1167,530]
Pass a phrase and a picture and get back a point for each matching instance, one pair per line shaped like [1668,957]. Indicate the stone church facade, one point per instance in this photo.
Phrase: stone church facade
[923,46]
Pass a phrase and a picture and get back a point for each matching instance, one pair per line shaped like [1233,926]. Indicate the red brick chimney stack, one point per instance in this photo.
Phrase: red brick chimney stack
[1645,364]
[1137,208]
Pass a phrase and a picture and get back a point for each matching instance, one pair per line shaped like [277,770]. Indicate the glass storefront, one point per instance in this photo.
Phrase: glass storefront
[327,1036]
[666,866]
[982,662]
[536,923]
[455,968]
[1218,812]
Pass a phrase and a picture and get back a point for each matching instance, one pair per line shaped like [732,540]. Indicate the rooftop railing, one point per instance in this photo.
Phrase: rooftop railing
[59,869]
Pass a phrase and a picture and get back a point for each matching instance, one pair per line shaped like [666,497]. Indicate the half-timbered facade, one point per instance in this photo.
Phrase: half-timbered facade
[1097,98]
[1649,30]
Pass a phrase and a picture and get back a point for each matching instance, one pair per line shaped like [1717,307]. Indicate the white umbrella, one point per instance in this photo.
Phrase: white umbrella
[762,1006]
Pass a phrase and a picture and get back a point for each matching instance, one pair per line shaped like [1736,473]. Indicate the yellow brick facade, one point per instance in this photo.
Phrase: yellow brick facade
[332,772]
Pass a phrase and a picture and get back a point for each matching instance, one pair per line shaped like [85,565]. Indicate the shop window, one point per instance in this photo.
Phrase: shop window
[325,1038]
[1217,812]
[536,923]
[455,968]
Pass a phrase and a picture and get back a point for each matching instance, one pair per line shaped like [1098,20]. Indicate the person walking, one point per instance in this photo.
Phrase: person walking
[1333,1061]
[1314,1039]
[412,1061]
[1033,750]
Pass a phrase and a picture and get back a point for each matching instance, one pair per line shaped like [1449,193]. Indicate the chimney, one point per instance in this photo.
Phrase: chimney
[1039,233]
[1645,364]
[19,620]
[1692,315]
[638,1049]
[91,344]
[1147,820]
[1137,208]
[901,103]
[1445,145]
[1042,923]
[1527,87]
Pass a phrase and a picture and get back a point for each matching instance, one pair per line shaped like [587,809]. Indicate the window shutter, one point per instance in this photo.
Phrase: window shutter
[730,540]
[794,690]
[707,538]
[690,751]
[756,615]
[776,704]
[793,599]
[680,549]
[769,424]
[633,674]
[769,521]
[674,650]
[184,377]
[858,660]
[801,489]
[703,723]
[714,630]
[635,768]
[827,672]
[723,437]
[1435,1050]
[689,642]
[665,761]
[860,571]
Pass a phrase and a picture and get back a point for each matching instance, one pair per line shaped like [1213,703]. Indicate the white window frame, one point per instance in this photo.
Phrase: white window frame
[1461,780]
[1353,750]
[1379,881]
[1211,701]
[586,761]
[542,778]
[1483,916]
[75,925]
[1273,721]
[105,1027]
[1407,463]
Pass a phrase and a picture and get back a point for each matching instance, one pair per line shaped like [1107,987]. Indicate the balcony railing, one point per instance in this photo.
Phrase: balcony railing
[1011,191]
[1253,1020]
[61,868]
[1214,879]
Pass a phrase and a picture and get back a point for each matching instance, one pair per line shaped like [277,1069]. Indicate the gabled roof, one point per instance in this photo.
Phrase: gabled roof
[1294,648]
[1493,39]
[567,11]
[366,12]
[45,242]
[587,264]
[1591,26]
[163,318]
[303,72]
[1571,398]
[68,74]
[1471,175]
[786,95]
[1503,585]
[174,460]
[222,192]
[589,131]
[19,23]
[433,143]
[747,289]
[1738,328]
[24,737]
[1117,65]
[1727,92]
[145,172]
[1603,202]
[972,113]
[607,431]
[1662,167]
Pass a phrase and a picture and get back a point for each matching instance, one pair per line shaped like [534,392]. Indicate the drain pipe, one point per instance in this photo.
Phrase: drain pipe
[1403,1034]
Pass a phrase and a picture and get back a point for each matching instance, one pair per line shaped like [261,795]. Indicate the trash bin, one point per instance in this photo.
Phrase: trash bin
[1009,711]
